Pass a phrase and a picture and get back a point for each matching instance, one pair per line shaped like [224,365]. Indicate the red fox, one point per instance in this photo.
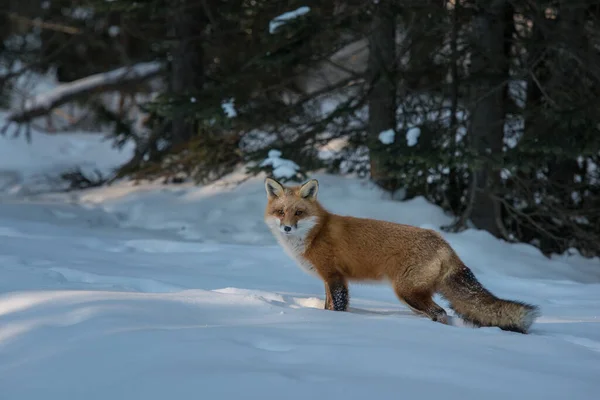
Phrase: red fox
[417,262]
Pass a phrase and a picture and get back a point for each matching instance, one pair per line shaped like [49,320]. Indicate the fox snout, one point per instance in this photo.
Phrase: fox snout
[299,227]
[287,227]
[284,227]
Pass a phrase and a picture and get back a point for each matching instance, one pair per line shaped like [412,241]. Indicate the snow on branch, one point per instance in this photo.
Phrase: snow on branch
[43,103]
[283,18]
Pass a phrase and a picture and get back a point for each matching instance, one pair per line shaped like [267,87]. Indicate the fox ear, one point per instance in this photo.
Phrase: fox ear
[273,188]
[309,190]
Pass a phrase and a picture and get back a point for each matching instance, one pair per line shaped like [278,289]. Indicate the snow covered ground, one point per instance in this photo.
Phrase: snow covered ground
[153,292]
[27,168]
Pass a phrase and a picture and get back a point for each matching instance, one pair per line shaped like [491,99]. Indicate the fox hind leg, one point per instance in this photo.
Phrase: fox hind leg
[421,302]
[415,286]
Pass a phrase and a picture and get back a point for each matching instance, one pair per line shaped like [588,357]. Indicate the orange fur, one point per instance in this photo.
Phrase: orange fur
[417,262]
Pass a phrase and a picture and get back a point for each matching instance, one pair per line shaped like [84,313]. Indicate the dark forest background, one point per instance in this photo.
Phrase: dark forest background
[490,109]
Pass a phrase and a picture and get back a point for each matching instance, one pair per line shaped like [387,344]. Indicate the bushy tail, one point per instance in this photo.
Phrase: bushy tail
[475,304]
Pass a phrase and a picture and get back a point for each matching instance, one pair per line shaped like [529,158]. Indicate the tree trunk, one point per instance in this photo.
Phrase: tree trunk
[382,96]
[454,190]
[556,77]
[4,33]
[492,29]
[572,28]
[187,74]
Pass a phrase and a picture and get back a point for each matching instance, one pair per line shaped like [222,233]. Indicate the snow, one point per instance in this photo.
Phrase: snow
[329,150]
[228,108]
[27,168]
[513,130]
[82,13]
[412,136]
[151,291]
[387,136]
[282,168]
[114,30]
[285,17]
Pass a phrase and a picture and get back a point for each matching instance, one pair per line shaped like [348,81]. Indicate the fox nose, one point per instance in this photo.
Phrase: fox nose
[287,228]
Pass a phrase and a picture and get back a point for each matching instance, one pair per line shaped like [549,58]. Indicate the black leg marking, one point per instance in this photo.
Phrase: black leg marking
[339,296]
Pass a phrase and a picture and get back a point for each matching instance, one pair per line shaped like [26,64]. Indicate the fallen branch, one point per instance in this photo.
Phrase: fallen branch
[43,103]
[71,30]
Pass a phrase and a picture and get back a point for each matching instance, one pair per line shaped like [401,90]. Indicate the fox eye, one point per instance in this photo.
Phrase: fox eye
[280,212]
[299,212]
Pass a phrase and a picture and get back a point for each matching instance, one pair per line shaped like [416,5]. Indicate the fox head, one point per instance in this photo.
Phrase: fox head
[292,210]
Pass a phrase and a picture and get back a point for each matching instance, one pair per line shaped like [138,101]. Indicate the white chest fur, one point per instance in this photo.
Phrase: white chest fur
[294,244]
[294,247]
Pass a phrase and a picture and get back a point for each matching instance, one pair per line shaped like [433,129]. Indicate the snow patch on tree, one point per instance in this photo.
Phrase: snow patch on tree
[114,31]
[412,136]
[280,167]
[285,17]
[228,108]
[387,136]
[513,130]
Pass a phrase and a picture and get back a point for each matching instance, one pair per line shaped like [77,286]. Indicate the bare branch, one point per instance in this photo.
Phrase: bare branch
[71,30]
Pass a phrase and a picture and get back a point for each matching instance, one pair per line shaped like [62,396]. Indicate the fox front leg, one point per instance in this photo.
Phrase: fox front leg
[327,298]
[337,296]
